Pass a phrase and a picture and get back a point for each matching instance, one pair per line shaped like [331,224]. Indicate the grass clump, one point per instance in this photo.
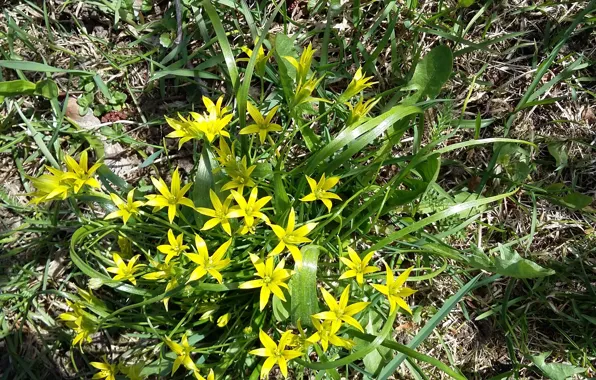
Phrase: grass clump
[302,215]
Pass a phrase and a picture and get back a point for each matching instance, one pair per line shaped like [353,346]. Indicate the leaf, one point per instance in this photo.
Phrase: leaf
[16,88]
[429,169]
[511,264]
[559,152]
[303,287]
[357,138]
[284,47]
[222,38]
[430,75]
[281,310]
[555,371]
[204,180]
[165,40]
[46,88]
[39,67]
[465,3]
[576,201]
[151,159]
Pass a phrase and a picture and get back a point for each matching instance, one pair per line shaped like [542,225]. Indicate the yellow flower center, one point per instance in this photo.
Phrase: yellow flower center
[339,313]
[172,200]
[249,210]
[266,280]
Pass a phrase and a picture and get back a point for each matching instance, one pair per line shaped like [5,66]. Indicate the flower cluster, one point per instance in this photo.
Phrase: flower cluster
[200,241]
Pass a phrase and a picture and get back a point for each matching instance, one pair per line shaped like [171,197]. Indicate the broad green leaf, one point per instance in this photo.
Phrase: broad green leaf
[429,169]
[555,371]
[46,88]
[204,180]
[303,286]
[17,87]
[284,47]
[149,160]
[281,201]
[511,264]
[575,200]
[430,75]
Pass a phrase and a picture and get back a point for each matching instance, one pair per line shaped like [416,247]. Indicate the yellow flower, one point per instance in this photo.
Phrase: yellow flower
[225,155]
[50,186]
[326,333]
[360,110]
[206,264]
[175,248]
[79,322]
[133,372]
[304,91]
[240,174]
[275,353]
[219,213]
[106,370]
[182,351]
[262,124]
[223,320]
[125,271]
[271,281]
[261,62]
[358,267]
[319,191]
[290,238]
[125,209]
[210,376]
[341,312]
[163,272]
[184,129]
[395,291]
[80,173]
[303,65]
[169,198]
[211,125]
[250,209]
[358,84]
[215,110]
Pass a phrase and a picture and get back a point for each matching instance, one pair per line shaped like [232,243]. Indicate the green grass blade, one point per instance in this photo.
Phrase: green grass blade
[222,37]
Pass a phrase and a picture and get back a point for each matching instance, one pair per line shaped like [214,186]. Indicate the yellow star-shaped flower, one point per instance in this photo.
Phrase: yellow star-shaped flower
[275,353]
[271,281]
[219,213]
[249,209]
[125,271]
[290,238]
[358,267]
[208,264]
[170,198]
[175,247]
[263,124]
[327,333]
[125,209]
[80,173]
[320,190]
[340,311]
[395,291]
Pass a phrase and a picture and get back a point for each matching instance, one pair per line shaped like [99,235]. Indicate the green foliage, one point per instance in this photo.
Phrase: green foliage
[555,371]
